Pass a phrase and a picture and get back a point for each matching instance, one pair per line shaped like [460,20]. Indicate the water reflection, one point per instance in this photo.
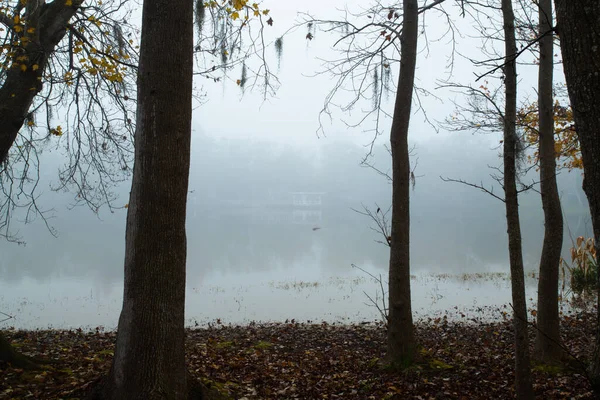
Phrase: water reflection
[243,298]
[258,222]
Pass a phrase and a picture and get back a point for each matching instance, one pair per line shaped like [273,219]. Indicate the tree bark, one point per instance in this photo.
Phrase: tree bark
[400,339]
[547,341]
[523,387]
[578,28]
[149,361]
[20,87]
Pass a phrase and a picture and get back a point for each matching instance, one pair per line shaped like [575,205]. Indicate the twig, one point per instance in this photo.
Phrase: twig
[383,311]
[7,316]
[480,187]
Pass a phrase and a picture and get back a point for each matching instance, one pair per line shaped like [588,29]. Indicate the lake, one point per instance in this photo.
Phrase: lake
[270,241]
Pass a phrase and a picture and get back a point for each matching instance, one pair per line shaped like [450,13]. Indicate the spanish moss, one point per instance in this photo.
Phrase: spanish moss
[279,50]
[120,41]
[200,14]
[376,82]
[244,77]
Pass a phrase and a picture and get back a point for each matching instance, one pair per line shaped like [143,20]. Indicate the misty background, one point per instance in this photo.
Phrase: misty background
[271,201]
[244,229]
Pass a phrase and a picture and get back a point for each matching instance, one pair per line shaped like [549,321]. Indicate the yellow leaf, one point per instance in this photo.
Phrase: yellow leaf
[57,131]
[18,28]
[235,15]
[239,82]
[23,67]
[239,4]
[35,67]
[30,30]
[68,2]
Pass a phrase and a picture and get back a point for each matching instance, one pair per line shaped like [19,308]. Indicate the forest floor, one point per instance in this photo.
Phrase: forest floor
[468,359]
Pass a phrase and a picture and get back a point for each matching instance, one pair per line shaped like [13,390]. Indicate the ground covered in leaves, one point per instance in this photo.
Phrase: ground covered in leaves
[470,359]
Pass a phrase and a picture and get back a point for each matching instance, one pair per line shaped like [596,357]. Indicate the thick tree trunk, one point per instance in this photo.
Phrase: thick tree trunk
[401,340]
[578,24]
[149,361]
[547,341]
[20,87]
[523,387]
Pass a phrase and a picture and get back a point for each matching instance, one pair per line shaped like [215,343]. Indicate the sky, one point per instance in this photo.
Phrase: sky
[292,115]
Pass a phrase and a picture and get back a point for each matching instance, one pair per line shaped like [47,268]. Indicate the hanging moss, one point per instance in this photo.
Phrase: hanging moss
[119,39]
[224,54]
[311,30]
[279,50]
[387,77]
[376,82]
[244,77]
[200,14]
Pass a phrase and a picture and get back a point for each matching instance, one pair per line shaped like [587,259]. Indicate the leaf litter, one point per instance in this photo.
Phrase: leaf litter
[465,359]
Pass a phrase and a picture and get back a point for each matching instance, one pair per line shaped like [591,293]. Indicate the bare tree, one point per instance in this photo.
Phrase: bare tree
[401,340]
[580,44]
[523,386]
[547,340]
[484,111]
[368,50]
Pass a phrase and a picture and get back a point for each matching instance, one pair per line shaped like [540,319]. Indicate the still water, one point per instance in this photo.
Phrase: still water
[248,267]
[269,241]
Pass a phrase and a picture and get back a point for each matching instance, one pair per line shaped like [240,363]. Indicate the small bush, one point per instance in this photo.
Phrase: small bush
[583,270]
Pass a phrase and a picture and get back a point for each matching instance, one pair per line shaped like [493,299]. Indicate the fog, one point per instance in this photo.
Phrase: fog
[255,250]
[244,229]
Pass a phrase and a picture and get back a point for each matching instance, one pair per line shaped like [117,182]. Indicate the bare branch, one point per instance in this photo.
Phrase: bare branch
[476,186]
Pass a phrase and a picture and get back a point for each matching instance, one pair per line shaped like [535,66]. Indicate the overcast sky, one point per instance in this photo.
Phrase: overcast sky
[291,116]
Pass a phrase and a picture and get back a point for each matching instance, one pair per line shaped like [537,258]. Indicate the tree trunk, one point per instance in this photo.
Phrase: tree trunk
[401,340]
[20,87]
[149,361]
[578,23]
[547,340]
[523,387]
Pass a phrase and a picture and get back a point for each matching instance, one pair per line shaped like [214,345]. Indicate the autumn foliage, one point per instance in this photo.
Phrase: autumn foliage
[566,144]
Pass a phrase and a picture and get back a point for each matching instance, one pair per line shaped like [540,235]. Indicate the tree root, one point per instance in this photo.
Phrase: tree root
[10,356]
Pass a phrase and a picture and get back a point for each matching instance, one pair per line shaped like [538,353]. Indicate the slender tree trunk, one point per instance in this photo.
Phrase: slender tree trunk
[149,361]
[547,340]
[49,23]
[401,340]
[523,387]
[578,28]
